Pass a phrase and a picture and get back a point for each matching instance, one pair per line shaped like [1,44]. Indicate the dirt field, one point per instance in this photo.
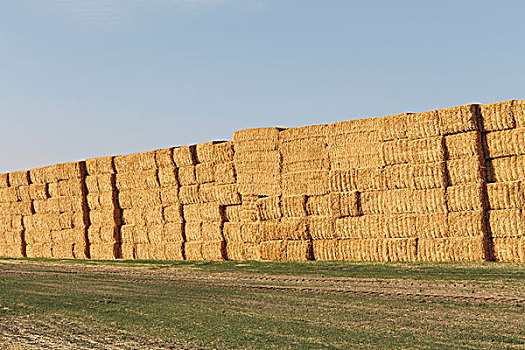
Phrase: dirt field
[47,304]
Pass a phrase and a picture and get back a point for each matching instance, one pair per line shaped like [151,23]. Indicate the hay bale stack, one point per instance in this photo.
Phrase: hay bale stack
[59,225]
[503,143]
[104,213]
[257,161]
[12,239]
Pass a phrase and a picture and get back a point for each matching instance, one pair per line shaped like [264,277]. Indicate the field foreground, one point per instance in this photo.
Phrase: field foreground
[65,304]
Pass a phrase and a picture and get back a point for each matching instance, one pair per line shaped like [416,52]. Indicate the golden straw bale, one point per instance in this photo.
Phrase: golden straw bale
[103,217]
[506,169]
[4,181]
[202,212]
[510,249]
[208,193]
[370,179]
[293,206]
[465,197]
[169,196]
[213,250]
[373,202]
[368,126]
[311,183]
[100,166]
[422,125]
[306,165]
[164,158]
[214,152]
[458,119]
[432,225]
[189,194]
[402,249]
[326,249]
[42,250]
[232,213]
[186,175]
[262,184]
[395,152]
[321,227]
[367,156]
[263,139]
[127,251]
[394,127]
[79,219]
[70,170]
[273,250]
[318,205]
[8,195]
[506,195]
[174,251]
[427,150]
[506,223]
[343,180]
[497,116]
[224,173]
[168,177]
[367,226]
[270,230]
[504,143]
[125,199]
[103,251]
[173,232]
[232,232]
[466,223]
[398,226]
[371,250]
[463,145]
[184,156]
[38,175]
[269,208]
[74,204]
[344,204]
[102,234]
[298,251]
[228,194]
[205,173]
[427,176]
[38,191]
[139,180]
[69,188]
[17,208]
[173,213]
[518,108]
[42,221]
[453,249]
[432,200]
[461,171]
[303,149]
[127,233]
[143,251]
[243,251]
[11,250]
[212,231]
[135,162]
[19,178]
[12,237]
[156,233]
[294,228]
[304,132]
[193,250]
[397,176]
[10,223]
[258,161]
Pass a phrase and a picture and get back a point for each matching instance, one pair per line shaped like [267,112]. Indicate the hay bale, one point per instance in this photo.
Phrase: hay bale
[67,171]
[8,195]
[343,180]
[428,176]
[398,226]
[70,188]
[213,250]
[367,226]
[103,234]
[258,139]
[273,250]
[344,204]
[232,213]
[202,212]
[23,193]
[394,127]
[402,249]
[42,250]
[504,143]
[18,208]
[293,206]
[38,191]
[463,145]
[208,193]
[187,176]
[269,230]
[258,160]
[100,166]
[174,251]
[294,228]
[189,194]
[326,249]
[232,232]
[458,119]
[205,173]
[269,208]
[422,125]
[453,249]
[169,196]
[370,179]
[173,232]
[304,132]
[225,173]
[395,152]
[184,156]
[432,225]
[228,194]
[428,150]
[139,180]
[466,223]
[19,178]
[318,205]
[311,183]
[164,158]
[104,251]
[397,176]
[298,250]
[506,223]
[243,251]
[172,213]
[321,227]
[102,217]
[505,169]
[4,181]
[465,197]
[518,108]
[193,250]
[497,116]
[168,177]
[214,152]
[212,231]
[506,195]
[136,162]
[302,150]
[432,200]
[261,184]
[462,171]
[71,204]
[509,249]
[364,126]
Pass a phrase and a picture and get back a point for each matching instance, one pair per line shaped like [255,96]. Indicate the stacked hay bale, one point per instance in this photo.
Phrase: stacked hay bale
[58,227]
[503,126]
[138,189]
[104,213]
[257,164]
[207,179]
[15,204]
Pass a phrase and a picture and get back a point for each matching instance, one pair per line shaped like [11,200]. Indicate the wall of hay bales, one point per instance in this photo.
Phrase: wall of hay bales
[445,185]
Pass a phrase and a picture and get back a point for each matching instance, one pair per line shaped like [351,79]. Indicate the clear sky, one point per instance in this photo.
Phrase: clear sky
[86,78]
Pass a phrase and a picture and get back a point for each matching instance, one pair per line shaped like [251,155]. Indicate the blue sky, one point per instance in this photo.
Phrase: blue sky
[86,78]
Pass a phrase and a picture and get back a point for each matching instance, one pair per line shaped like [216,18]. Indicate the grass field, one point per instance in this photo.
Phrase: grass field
[58,304]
